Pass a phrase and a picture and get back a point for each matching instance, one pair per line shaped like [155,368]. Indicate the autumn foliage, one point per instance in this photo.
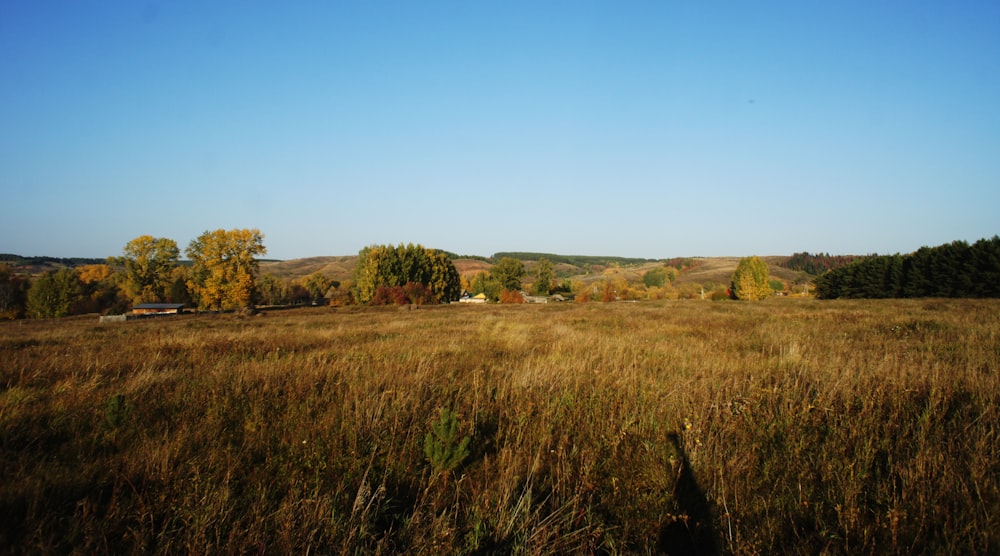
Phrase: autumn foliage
[751,281]
[224,270]
[148,262]
[511,296]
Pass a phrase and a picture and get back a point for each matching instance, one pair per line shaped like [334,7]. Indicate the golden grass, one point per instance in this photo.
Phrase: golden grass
[790,426]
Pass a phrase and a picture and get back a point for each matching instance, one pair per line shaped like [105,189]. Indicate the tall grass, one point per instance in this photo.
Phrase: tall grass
[789,426]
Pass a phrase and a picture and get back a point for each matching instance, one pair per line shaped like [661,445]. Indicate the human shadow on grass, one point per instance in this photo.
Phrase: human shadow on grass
[691,531]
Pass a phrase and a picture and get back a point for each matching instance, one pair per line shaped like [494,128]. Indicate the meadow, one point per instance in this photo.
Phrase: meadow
[789,426]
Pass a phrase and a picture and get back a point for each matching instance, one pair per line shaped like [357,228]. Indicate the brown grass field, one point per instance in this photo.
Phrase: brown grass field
[786,426]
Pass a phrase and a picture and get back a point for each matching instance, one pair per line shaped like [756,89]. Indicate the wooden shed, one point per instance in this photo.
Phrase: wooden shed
[157,309]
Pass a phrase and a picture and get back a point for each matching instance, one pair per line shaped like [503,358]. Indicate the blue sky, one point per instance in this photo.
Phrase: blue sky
[647,129]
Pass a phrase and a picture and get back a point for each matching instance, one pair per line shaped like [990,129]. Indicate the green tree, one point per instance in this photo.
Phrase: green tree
[317,284]
[508,273]
[655,277]
[178,291]
[224,270]
[484,283]
[445,281]
[986,267]
[544,275]
[149,262]
[387,266]
[54,294]
[272,290]
[13,294]
[751,280]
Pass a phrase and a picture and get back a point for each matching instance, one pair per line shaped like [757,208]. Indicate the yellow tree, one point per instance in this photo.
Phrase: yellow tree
[373,271]
[100,288]
[224,268]
[751,280]
[149,262]
[94,273]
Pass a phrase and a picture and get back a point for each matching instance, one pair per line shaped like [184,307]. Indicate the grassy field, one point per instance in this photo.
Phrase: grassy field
[786,426]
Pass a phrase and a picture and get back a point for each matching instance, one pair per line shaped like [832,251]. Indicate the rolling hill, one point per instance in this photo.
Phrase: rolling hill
[703,270]
[337,268]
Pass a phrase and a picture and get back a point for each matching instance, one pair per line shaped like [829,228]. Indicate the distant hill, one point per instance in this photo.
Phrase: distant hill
[581,261]
[719,270]
[40,265]
[705,270]
[470,267]
[19,260]
[342,268]
[336,268]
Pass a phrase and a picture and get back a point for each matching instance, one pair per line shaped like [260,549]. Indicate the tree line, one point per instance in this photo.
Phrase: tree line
[582,261]
[956,269]
[220,275]
[819,263]
[18,260]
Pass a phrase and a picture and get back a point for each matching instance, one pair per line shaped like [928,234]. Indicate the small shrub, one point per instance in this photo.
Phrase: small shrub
[116,412]
[412,293]
[511,296]
[418,294]
[386,295]
[442,446]
[720,295]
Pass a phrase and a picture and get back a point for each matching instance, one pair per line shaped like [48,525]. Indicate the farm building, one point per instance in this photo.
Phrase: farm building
[157,309]
[478,298]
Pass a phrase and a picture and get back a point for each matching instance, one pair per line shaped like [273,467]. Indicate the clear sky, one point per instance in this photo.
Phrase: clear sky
[647,129]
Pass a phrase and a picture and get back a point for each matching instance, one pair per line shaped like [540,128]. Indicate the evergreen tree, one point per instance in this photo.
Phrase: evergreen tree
[986,267]
[956,269]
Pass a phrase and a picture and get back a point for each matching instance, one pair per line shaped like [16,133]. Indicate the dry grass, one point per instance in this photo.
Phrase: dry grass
[789,426]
